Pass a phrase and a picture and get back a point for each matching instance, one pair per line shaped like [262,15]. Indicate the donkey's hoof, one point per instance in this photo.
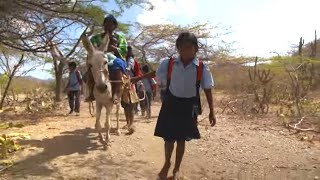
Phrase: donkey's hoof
[118,132]
[131,130]
[106,146]
[115,100]
[101,140]
[125,127]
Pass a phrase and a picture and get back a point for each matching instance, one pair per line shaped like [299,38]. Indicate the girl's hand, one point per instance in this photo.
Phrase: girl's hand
[212,119]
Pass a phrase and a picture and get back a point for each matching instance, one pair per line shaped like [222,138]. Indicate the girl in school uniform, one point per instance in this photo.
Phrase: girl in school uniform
[177,121]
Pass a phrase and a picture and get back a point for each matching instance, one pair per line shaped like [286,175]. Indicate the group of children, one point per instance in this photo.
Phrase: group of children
[74,87]
[181,79]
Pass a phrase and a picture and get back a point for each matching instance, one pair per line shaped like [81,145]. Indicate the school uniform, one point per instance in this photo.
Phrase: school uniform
[177,119]
[74,88]
[148,85]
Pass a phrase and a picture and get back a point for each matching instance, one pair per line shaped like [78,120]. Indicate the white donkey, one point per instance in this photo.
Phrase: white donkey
[102,89]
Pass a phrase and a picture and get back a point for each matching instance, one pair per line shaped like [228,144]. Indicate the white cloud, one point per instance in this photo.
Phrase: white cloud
[164,11]
[258,27]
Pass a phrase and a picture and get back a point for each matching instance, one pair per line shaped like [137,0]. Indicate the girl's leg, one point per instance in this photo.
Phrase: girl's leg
[116,75]
[126,113]
[168,149]
[71,101]
[77,102]
[143,107]
[149,100]
[90,85]
[179,155]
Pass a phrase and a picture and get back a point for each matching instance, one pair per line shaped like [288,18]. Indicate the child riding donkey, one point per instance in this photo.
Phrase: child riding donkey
[115,54]
[117,58]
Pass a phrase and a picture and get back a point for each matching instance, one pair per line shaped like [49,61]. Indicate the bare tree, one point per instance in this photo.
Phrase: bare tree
[11,64]
[23,23]
[158,41]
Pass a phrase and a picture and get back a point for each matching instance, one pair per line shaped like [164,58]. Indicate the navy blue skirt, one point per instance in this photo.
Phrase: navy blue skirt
[177,119]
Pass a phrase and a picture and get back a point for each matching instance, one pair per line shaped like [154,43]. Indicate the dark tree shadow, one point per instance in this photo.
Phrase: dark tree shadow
[81,142]
[28,118]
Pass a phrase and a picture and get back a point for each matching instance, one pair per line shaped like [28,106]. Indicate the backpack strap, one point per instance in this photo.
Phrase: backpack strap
[170,65]
[78,77]
[198,82]
[137,71]
[199,75]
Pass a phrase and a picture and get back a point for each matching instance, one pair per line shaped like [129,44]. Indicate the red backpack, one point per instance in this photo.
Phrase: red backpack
[137,71]
[153,86]
[78,74]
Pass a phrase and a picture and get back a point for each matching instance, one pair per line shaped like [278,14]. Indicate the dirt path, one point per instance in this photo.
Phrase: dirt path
[67,148]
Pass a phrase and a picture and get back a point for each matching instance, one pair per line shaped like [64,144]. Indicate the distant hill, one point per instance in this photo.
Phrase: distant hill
[34,79]
[21,84]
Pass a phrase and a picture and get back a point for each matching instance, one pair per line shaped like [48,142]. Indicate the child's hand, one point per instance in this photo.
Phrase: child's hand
[212,119]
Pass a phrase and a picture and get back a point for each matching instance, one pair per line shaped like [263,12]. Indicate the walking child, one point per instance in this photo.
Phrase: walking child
[149,87]
[73,88]
[177,121]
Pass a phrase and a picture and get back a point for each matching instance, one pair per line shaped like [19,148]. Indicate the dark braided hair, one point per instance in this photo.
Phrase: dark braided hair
[110,18]
[72,64]
[145,68]
[130,52]
[187,37]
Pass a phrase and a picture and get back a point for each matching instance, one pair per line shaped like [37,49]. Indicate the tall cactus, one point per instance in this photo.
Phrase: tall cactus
[260,80]
[264,76]
[314,46]
[301,43]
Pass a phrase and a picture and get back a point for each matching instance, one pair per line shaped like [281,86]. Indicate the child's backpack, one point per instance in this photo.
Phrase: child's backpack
[79,77]
[136,71]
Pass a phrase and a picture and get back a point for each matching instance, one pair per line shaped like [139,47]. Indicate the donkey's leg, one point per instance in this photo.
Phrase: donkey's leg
[127,118]
[98,124]
[131,127]
[107,124]
[118,119]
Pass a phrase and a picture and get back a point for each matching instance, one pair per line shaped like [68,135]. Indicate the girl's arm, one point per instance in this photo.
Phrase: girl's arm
[212,116]
[208,93]
[207,84]
[144,76]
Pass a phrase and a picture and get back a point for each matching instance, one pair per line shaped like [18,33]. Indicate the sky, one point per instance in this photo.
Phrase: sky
[257,27]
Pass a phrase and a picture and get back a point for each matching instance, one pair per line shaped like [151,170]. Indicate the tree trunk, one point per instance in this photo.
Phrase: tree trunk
[6,91]
[10,80]
[58,75]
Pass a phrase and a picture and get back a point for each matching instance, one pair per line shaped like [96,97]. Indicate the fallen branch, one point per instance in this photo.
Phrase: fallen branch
[7,167]
[227,105]
[266,158]
[304,130]
[295,127]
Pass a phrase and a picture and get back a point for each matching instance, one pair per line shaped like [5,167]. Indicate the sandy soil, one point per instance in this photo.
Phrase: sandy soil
[66,147]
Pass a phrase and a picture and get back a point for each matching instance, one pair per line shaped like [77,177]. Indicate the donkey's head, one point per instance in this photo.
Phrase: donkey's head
[97,62]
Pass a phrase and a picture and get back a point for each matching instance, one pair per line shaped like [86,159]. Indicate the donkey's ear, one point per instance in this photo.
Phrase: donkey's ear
[86,43]
[104,43]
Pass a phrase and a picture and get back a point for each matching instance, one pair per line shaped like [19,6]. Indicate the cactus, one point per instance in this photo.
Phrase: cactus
[314,46]
[259,80]
[301,43]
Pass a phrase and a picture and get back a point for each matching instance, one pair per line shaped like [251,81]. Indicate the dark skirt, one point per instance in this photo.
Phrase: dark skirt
[177,119]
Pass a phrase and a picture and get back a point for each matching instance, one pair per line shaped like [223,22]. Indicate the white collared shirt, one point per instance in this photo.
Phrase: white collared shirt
[183,79]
